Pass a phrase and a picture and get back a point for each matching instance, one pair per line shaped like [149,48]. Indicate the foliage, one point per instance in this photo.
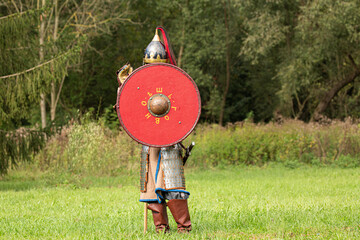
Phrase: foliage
[88,148]
[30,66]
[18,146]
[40,43]
[246,203]
[92,148]
[291,53]
[313,45]
[25,73]
[23,88]
[211,30]
[289,144]
[290,58]
[13,29]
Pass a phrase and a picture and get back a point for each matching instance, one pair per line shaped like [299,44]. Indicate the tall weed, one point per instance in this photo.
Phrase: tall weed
[89,148]
[92,148]
[294,141]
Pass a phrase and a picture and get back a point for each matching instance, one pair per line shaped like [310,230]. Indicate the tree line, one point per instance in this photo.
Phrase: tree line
[249,58]
[253,59]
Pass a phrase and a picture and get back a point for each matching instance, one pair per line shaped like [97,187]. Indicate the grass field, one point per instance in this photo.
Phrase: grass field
[238,203]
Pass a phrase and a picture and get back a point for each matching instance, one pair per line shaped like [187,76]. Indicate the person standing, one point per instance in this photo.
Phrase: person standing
[162,180]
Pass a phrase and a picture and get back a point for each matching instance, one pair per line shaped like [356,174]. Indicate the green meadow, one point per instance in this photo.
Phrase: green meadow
[272,202]
[277,152]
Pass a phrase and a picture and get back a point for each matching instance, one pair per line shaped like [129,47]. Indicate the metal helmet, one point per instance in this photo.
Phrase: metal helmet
[155,52]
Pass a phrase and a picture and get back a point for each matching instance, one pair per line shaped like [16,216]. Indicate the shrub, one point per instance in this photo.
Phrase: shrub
[89,148]
[258,144]
[92,148]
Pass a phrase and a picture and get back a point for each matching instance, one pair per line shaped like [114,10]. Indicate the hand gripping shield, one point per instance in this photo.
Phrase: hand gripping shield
[158,105]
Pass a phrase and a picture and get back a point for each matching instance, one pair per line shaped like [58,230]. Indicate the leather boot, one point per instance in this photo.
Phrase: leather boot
[179,210]
[160,216]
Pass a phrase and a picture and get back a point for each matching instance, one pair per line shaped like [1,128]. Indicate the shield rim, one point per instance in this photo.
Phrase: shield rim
[152,65]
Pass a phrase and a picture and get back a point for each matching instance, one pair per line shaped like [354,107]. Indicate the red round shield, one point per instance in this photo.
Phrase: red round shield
[158,105]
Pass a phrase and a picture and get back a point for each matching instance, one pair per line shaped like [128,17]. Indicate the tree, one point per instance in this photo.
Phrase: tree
[27,74]
[210,32]
[313,46]
[332,45]
[39,43]
[65,24]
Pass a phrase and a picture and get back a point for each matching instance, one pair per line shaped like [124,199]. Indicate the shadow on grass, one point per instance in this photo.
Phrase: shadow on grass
[19,185]
[25,181]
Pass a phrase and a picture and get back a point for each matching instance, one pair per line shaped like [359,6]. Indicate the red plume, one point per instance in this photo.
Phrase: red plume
[167,44]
